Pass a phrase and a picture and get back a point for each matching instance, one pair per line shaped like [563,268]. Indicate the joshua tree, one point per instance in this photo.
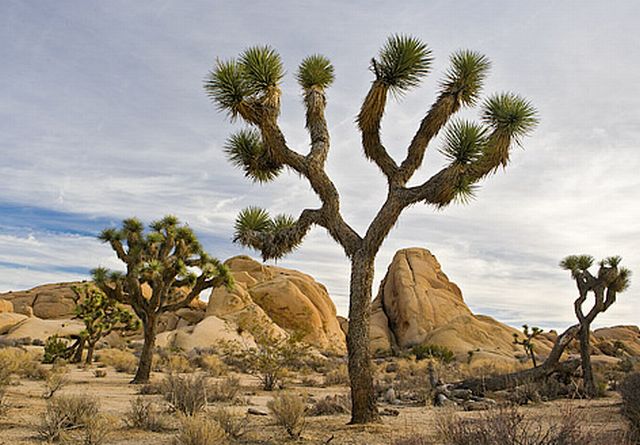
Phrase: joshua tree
[609,280]
[527,341]
[249,88]
[101,316]
[160,274]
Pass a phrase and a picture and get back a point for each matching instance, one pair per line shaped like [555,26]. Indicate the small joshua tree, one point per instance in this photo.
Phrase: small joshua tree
[249,88]
[160,274]
[101,316]
[605,285]
[527,341]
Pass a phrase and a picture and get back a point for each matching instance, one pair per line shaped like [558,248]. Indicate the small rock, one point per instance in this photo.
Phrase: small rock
[389,395]
[391,367]
[442,400]
[257,412]
[390,412]
[472,405]
[464,394]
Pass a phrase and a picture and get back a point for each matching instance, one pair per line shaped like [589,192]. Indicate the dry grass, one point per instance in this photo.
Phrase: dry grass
[65,413]
[186,395]
[630,391]
[234,425]
[337,376]
[198,430]
[145,415]
[226,390]
[121,361]
[56,379]
[288,411]
[331,405]
[213,365]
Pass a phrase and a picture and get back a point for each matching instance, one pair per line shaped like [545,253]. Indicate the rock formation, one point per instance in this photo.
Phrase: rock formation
[417,304]
[271,300]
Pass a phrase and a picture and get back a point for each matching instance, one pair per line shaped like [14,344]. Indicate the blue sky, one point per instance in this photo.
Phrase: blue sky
[103,116]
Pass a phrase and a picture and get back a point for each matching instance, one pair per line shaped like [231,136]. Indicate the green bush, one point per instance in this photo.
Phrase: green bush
[55,348]
[437,352]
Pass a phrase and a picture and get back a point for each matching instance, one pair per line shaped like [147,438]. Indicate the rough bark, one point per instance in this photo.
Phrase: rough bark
[90,348]
[364,409]
[146,356]
[585,356]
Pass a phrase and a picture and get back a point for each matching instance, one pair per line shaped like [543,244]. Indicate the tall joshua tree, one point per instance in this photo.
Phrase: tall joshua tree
[166,269]
[605,285]
[249,88]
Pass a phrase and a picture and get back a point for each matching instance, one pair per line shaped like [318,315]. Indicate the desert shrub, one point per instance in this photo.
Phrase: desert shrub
[96,430]
[288,411]
[331,405]
[337,376]
[121,361]
[19,361]
[186,395]
[226,390]
[55,348]
[269,359]
[212,364]
[65,413]
[630,391]
[412,382]
[198,430]
[99,373]
[507,426]
[153,388]
[56,379]
[437,352]
[172,361]
[4,406]
[234,425]
[144,415]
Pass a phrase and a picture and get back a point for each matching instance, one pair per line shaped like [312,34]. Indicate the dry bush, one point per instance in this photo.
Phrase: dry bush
[186,395]
[289,412]
[151,389]
[412,381]
[4,406]
[96,430]
[213,365]
[66,413]
[235,425]
[21,362]
[145,415]
[56,379]
[630,391]
[198,430]
[337,376]
[331,406]
[507,426]
[534,391]
[121,361]
[99,373]
[414,440]
[226,390]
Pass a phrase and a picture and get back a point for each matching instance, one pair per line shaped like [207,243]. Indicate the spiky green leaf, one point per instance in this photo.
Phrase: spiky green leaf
[510,114]
[402,63]
[251,219]
[464,142]
[226,86]
[110,234]
[282,222]
[613,261]
[577,263]
[262,68]
[623,280]
[245,150]
[466,75]
[315,71]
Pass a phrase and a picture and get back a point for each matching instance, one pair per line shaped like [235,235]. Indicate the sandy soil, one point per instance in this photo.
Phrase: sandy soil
[114,394]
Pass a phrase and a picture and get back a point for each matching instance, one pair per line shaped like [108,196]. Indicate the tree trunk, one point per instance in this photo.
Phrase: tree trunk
[79,347]
[363,399]
[585,357]
[90,348]
[146,357]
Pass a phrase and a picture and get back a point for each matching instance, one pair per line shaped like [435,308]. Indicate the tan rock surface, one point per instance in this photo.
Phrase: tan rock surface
[8,320]
[49,301]
[277,299]
[417,304]
[629,336]
[5,306]
[210,332]
[36,328]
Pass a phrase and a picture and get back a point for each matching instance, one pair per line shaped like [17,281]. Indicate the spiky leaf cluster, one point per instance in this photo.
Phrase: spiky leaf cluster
[465,77]
[510,114]
[167,254]
[315,71]
[464,142]
[577,264]
[245,150]
[236,86]
[402,63]
[100,314]
[273,237]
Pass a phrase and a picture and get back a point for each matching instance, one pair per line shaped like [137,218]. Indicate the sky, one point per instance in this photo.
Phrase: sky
[103,117]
